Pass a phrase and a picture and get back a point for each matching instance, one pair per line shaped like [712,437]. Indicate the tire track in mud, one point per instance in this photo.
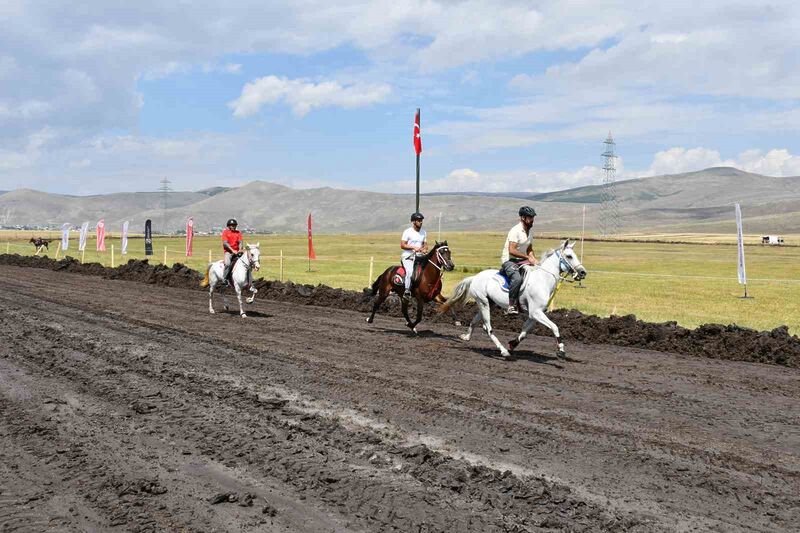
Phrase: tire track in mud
[386,485]
[450,396]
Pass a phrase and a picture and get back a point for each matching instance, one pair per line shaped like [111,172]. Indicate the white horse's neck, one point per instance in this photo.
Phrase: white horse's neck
[552,265]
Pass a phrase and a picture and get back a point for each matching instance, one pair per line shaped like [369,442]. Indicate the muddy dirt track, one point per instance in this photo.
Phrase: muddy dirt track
[125,406]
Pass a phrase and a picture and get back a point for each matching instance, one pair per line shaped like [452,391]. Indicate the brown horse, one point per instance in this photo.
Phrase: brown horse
[40,244]
[426,285]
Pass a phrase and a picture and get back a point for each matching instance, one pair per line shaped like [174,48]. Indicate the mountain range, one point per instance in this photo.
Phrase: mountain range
[691,202]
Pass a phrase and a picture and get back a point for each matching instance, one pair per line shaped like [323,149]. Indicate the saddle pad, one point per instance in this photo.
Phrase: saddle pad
[502,280]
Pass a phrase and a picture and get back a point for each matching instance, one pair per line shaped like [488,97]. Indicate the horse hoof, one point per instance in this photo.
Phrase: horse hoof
[211,311]
[464,337]
[244,315]
[513,343]
[457,323]
[506,354]
[561,354]
[369,320]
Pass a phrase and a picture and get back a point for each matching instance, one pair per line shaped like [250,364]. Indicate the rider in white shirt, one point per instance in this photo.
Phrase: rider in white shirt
[413,241]
[518,248]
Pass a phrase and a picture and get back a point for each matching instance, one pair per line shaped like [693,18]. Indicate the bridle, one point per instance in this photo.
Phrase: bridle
[438,256]
[564,263]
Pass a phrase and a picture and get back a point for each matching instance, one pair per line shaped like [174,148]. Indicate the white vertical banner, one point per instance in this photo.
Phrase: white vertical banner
[82,238]
[65,236]
[124,244]
[742,272]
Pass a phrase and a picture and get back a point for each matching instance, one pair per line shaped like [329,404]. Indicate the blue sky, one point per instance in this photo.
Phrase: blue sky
[514,95]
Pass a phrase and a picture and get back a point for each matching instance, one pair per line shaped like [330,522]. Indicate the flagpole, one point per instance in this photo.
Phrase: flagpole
[419,115]
[583,230]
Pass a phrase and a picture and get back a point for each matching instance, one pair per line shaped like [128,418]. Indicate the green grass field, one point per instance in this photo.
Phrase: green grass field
[689,283]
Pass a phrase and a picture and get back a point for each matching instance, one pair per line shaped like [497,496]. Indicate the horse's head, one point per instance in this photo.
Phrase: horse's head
[569,262]
[254,255]
[442,251]
[32,240]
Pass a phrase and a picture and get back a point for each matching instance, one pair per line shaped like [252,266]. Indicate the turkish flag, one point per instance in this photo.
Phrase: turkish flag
[311,254]
[189,236]
[417,135]
[101,235]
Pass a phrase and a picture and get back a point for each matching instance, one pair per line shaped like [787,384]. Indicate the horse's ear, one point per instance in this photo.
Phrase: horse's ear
[572,244]
[444,243]
[436,244]
[564,244]
[258,244]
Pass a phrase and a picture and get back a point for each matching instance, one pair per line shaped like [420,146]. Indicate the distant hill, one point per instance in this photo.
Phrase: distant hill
[697,201]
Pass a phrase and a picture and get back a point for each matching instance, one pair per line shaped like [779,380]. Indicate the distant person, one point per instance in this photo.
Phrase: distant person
[518,249]
[414,241]
[231,244]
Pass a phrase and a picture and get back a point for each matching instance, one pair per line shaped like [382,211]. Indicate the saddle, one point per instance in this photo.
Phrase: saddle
[400,273]
[501,278]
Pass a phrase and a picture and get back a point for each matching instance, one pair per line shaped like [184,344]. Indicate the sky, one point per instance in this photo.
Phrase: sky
[99,97]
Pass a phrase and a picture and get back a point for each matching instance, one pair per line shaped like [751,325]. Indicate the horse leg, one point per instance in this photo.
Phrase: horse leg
[382,295]
[211,286]
[442,300]
[539,316]
[239,297]
[419,316]
[404,308]
[487,325]
[526,327]
[475,321]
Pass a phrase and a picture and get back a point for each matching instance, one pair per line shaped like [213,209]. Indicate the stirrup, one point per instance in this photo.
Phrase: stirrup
[407,294]
[512,310]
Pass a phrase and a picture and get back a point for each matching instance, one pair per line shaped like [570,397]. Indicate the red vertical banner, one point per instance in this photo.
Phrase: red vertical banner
[189,236]
[311,254]
[101,235]
[417,135]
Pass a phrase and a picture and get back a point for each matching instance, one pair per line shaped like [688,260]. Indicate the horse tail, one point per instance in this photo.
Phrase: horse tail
[206,280]
[459,295]
[376,285]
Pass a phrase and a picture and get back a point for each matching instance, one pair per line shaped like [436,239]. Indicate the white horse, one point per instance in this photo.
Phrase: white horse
[242,276]
[536,293]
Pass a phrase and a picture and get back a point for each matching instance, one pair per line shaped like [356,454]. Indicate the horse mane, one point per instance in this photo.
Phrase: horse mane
[548,253]
[436,246]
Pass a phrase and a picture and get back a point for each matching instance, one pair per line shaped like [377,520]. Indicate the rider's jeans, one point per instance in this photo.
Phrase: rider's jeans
[511,270]
[228,258]
[408,264]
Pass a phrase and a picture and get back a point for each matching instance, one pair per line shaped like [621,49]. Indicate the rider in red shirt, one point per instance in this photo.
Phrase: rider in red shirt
[231,244]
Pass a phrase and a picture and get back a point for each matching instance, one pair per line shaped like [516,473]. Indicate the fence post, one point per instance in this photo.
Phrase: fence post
[58,250]
[165,256]
[112,256]
[209,255]
[280,276]
[371,264]
[83,255]
[8,247]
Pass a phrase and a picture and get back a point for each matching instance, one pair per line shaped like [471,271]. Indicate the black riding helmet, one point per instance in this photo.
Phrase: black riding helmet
[232,222]
[417,216]
[526,211]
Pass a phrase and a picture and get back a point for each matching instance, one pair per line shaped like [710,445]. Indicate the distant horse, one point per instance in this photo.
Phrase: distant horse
[428,286]
[40,244]
[241,275]
[537,291]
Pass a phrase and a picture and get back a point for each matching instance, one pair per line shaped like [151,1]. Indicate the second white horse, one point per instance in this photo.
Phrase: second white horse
[537,290]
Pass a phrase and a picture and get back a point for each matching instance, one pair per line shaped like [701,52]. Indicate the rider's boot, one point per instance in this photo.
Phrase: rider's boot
[512,309]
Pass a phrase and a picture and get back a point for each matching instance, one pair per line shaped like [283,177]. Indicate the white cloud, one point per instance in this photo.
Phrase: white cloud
[303,96]
[677,160]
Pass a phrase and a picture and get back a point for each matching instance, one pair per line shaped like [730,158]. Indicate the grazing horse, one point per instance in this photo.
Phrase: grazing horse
[241,276]
[40,244]
[537,291]
[428,286]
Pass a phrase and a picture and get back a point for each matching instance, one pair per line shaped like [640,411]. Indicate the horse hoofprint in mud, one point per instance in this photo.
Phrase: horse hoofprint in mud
[537,290]
[241,275]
